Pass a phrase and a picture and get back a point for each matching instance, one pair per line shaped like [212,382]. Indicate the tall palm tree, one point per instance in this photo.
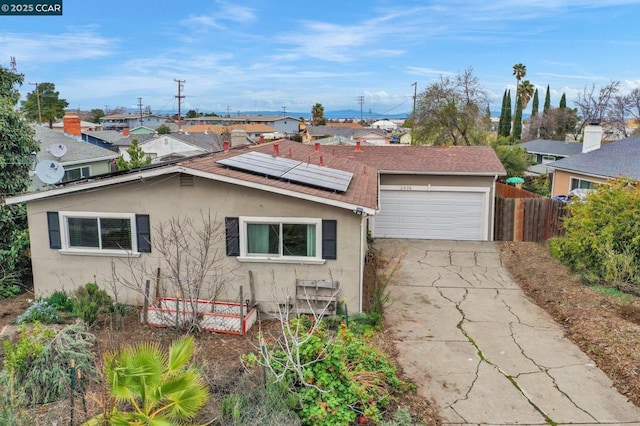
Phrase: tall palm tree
[526,90]
[155,388]
[519,71]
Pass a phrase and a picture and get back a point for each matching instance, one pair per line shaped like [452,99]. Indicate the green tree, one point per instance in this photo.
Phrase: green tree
[51,106]
[163,130]
[152,387]
[317,115]
[563,101]
[137,158]
[17,146]
[450,112]
[95,115]
[547,100]
[514,158]
[517,122]
[519,72]
[535,104]
[507,128]
[502,124]
[192,113]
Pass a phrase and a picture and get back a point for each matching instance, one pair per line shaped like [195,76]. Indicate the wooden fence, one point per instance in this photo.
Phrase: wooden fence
[524,216]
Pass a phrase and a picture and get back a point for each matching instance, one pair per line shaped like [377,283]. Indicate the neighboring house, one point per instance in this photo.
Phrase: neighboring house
[256,132]
[544,151]
[282,124]
[84,125]
[289,212]
[80,159]
[142,130]
[594,167]
[103,138]
[386,125]
[130,121]
[370,136]
[171,146]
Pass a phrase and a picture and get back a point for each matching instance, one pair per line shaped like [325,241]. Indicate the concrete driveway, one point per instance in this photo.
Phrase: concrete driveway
[472,341]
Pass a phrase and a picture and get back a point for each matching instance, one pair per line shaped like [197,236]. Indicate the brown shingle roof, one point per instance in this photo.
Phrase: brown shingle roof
[364,165]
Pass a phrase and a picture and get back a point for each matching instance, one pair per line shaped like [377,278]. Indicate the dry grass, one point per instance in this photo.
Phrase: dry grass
[605,327]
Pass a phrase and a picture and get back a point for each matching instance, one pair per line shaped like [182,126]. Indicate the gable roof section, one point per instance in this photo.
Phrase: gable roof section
[77,151]
[543,146]
[207,142]
[109,136]
[620,158]
[219,129]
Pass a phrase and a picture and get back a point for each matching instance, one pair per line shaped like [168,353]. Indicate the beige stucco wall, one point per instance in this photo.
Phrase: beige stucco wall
[163,198]
[562,181]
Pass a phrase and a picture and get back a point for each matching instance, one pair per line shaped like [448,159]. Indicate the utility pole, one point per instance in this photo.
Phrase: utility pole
[284,110]
[361,102]
[38,102]
[228,111]
[106,110]
[413,113]
[180,97]
[140,107]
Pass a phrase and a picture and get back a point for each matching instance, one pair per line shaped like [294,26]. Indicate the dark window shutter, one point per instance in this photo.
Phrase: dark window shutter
[54,230]
[143,232]
[232,225]
[329,239]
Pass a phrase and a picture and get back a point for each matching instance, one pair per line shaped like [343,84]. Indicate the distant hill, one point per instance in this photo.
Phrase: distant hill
[345,113]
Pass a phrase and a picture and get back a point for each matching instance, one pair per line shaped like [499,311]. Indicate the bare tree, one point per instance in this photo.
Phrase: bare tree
[192,259]
[618,113]
[554,124]
[633,105]
[594,107]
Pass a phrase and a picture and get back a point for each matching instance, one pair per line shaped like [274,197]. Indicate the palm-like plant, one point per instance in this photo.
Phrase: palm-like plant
[159,389]
[519,71]
[526,90]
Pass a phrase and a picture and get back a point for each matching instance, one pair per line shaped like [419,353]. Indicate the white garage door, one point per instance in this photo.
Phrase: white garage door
[438,215]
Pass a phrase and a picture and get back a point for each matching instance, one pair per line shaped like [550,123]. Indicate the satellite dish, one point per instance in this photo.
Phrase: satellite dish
[58,150]
[49,172]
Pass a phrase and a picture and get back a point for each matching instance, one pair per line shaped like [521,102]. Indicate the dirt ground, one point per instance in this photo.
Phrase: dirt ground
[605,328]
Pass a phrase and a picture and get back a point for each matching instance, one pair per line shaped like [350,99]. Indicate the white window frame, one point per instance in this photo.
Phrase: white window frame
[246,257]
[81,175]
[595,183]
[65,239]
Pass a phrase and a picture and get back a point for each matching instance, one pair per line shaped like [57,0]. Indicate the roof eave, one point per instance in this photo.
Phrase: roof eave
[443,173]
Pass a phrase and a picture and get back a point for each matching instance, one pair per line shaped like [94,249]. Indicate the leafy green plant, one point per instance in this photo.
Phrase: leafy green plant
[39,311]
[39,364]
[337,377]
[90,302]
[613,292]
[602,236]
[401,417]
[61,301]
[10,284]
[151,386]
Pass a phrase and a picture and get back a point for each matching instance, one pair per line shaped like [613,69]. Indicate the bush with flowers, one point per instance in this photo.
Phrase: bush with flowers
[337,377]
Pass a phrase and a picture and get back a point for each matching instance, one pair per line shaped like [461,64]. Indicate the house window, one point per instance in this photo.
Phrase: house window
[94,233]
[285,240]
[548,159]
[77,173]
[583,184]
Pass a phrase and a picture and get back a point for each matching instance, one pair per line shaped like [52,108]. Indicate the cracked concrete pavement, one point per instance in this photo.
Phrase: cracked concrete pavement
[472,341]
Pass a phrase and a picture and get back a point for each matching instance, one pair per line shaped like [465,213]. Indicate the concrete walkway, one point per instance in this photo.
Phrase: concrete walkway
[471,340]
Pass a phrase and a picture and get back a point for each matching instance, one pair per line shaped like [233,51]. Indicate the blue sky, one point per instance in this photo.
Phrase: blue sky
[266,55]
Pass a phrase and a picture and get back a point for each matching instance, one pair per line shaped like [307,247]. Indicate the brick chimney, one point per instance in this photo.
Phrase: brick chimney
[592,137]
[71,124]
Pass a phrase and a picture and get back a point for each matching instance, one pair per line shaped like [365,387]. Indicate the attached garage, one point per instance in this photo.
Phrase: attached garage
[459,213]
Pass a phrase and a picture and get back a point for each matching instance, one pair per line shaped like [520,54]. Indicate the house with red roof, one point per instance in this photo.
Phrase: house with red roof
[290,212]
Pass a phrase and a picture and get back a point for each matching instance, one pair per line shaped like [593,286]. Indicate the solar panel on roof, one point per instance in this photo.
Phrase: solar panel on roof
[258,162]
[290,170]
[323,177]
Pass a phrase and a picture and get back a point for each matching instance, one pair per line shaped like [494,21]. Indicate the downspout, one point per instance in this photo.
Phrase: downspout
[363,240]
[493,207]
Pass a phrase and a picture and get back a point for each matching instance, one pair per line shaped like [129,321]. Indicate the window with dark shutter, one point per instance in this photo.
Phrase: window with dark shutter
[143,232]
[54,230]
[232,226]
[329,239]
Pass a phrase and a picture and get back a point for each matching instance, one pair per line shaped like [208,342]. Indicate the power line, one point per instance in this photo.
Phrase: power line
[360,100]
